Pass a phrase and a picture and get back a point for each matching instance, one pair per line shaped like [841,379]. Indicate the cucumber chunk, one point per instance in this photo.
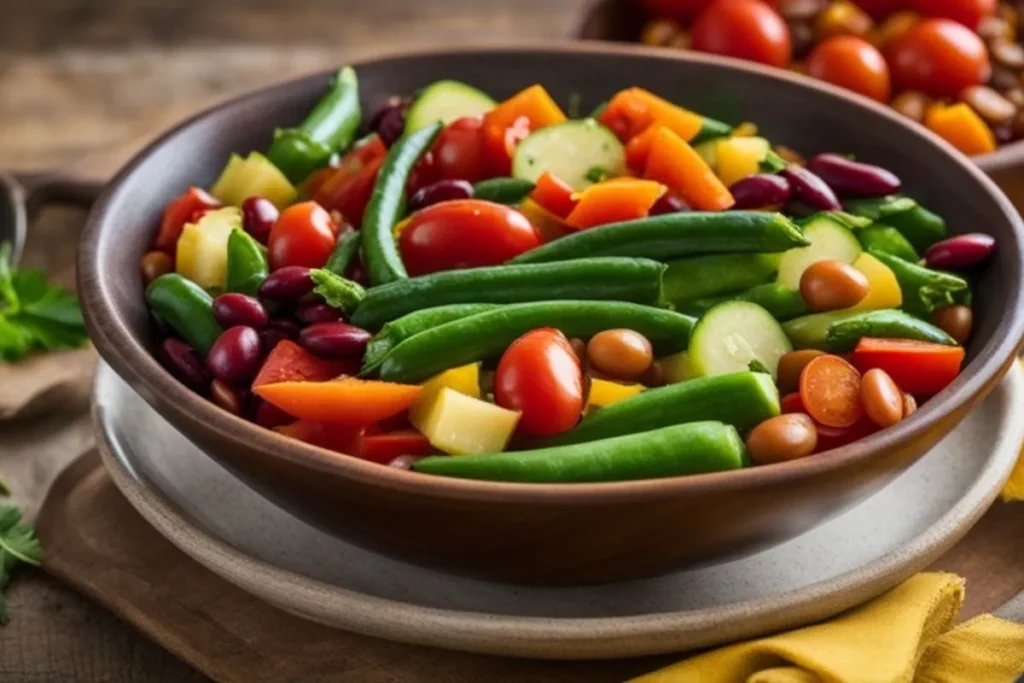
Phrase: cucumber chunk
[571,151]
[830,240]
[446,101]
[732,334]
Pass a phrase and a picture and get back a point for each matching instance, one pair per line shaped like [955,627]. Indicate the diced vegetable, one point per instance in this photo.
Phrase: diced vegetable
[554,195]
[289,362]
[202,252]
[839,331]
[178,213]
[549,226]
[383,448]
[921,227]
[462,425]
[570,150]
[228,185]
[187,308]
[604,393]
[638,149]
[924,290]
[739,157]
[341,400]
[511,120]
[830,241]
[256,175]
[247,266]
[889,240]
[961,127]
[630,112]
[446,101]
[918,368]
[614,201]
[340,437]
[830,391]
[678,367]
[732,334]
[883,288]
[674,163]
[464,379]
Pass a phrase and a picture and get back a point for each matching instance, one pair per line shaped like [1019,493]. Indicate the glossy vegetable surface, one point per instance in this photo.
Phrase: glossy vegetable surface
[539,375]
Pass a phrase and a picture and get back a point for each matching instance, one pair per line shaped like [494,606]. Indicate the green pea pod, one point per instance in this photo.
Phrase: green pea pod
[921,227]
[330,127]
[839,331]
[703,276]
[187,308]
[710,130]
[880,237]
[345,251]
[247,263]
[387,205]
[692,448]
[782,302]
[923,289]
[503,190]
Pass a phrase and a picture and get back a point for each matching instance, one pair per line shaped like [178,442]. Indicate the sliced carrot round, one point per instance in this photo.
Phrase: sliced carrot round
[830,391]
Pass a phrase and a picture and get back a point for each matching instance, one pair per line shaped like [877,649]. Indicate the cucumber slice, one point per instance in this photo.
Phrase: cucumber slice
[571,151]
[830,241]
[732,334]
[446,101]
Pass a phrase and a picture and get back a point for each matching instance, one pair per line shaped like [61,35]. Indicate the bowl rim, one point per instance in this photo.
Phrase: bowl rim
[133,361]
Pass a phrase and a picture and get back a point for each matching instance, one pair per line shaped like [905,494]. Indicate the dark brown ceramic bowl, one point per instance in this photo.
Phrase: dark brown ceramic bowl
[623,20]
[571,533]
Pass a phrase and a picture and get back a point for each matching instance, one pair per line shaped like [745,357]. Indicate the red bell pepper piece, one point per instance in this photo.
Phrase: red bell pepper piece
[347,188]
[611,201]
[918,368]
[336,436]
[179,212]
[553,194]
[384,448]
[289,362]
[792,403]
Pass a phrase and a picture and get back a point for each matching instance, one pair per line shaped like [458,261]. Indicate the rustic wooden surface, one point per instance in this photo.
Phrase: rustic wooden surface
[83,83]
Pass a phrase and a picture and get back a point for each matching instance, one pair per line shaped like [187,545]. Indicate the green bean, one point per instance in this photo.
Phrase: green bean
[923,289]
[839,331]
[880,237]
[345,251]
[503,190]
[784,303]
[247,263]
[187,308]
[697,277]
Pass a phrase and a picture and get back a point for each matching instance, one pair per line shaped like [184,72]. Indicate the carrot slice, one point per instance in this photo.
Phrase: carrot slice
[526,111]
[639,148]
[830,391]
[675,164]
[622,199]
[918,368]
[631,111]
[554,194]
[346,399]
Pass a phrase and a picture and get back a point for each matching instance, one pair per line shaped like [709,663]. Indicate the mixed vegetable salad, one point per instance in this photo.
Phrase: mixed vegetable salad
[493,290]
[957,66]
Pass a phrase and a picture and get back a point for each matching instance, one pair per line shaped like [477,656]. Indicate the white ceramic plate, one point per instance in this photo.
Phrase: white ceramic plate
[216,519]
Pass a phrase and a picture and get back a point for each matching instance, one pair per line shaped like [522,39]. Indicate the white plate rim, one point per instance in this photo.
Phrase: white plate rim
[568,638]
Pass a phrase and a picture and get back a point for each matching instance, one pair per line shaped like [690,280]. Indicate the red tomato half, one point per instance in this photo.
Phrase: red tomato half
[464,233]
[967,12]
[853,63]
[540,375]
[179,212]
[303,235]
[939,57]
[458,153]
[748,29]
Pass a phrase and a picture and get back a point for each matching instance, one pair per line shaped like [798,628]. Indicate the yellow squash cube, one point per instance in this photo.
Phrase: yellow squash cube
[883,288]
[202,252]
[462,425]
[464,379]
[739,157]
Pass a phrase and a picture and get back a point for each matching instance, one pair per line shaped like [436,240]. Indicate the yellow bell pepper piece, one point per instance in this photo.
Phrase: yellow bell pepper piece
[202,251]
[462,425]
[678,368]
[739,157]
[604,393]
[464,379]
[254,175]
[883,288]
[962,128]
[227,188]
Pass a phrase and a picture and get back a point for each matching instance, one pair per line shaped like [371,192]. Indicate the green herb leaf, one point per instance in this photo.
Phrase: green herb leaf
[757,366]
[772,163]
[596,174]
[18,545]
[5,490]
[338,292]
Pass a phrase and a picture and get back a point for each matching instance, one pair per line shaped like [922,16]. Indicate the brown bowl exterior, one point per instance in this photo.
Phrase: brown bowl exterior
[571,533]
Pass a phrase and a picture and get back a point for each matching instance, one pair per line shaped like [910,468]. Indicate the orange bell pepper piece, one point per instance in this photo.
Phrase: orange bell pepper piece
[548,225]
[552,193]
[622,199]
[346,399]
[639,148]
[962,128]
[512,120]
[289,362]
[675,164]
[632,111]
[918,368]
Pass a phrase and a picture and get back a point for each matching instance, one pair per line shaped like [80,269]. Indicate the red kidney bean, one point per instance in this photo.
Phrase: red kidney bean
[227,397]
[182,361]
[258,217]
[669,203]
[268,415]
[236,355]
[238,309]
[759,191]
[441,191]
[961,251]
[269,338]
[317,312]
[811,189]
[404,462]
[287,284]
[357,272]
[851,178]
[285,326]
[334,340]
[389,121]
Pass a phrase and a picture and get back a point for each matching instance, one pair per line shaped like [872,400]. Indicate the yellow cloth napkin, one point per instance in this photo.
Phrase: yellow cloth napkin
[1013,490]
[904,636]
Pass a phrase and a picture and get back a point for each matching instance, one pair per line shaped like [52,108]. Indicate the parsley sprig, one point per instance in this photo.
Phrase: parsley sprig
[18,545]
[34,314]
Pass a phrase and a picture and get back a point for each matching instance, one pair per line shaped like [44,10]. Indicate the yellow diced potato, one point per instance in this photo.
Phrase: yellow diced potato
[202,250]
[462,425]
[263,178]
[604,393]
[227,188]
[464,379]
[678,368]
[739,158]
[884,289]
[708,151]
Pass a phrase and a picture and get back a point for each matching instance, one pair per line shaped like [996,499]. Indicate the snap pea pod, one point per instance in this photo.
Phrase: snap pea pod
[397,331]
[345,251]
[880,237]
[186,307]
[488,334]
[839,331]
[617,279]
[691,448]
[921,227]
[740,399]
[247,263]
[387,205]
[924,289]
[675,235]
[697,277]
[503,190]
[330,127]
[711,129]
[782,302]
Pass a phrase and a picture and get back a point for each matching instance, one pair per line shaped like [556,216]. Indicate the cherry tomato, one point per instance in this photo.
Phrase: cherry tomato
[302,236]
[967,12]
[540,375]
[880,9]
[458,153]
[852,63]
[179,212]
[748,29]
[680,10]
[939,57]
[464,233]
